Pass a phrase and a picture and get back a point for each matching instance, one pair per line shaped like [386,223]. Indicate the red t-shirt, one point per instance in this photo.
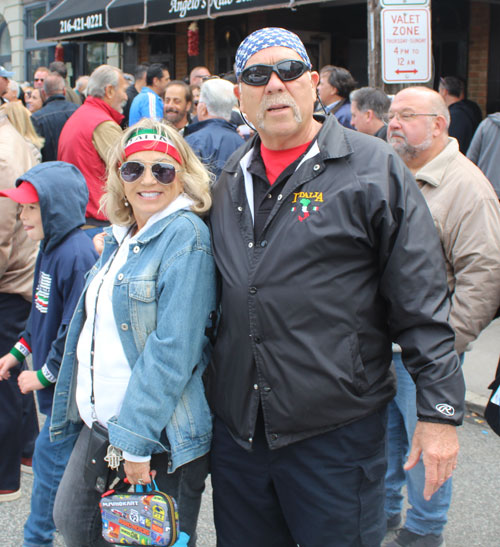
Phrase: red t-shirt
[276,161]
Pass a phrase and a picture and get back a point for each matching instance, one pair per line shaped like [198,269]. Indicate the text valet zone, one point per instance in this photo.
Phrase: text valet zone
[406,45]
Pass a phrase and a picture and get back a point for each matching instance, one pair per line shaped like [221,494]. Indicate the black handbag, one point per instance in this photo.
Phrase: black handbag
[492,410]
[96,472]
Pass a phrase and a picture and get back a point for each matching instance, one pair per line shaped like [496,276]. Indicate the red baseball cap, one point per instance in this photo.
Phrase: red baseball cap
[24,193]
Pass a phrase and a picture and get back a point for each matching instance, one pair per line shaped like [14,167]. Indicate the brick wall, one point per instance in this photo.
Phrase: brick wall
[479,38]
[181,56]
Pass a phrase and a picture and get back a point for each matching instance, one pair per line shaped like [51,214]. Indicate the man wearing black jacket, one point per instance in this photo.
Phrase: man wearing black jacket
[327,253]
[465,115]
[50,119]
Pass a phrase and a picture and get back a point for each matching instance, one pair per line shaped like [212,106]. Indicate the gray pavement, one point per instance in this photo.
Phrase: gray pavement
[473,519]
[480,365]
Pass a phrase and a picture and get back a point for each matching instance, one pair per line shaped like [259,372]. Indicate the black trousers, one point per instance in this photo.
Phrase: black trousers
[326,491]
[18,419]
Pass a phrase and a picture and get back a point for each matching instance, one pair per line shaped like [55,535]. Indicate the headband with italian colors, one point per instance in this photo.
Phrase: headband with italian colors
[149,139]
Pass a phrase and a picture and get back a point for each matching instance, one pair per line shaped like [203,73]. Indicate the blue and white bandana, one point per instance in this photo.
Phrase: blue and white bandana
[268,37]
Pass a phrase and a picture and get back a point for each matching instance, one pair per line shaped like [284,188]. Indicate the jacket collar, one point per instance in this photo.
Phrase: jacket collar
[59,97]
[433,172]
[99,103]
[332,140]
[193,127]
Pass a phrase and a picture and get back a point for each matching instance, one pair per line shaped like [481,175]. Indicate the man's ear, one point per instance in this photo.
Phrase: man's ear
[237,90]
[440,123]
[109,91]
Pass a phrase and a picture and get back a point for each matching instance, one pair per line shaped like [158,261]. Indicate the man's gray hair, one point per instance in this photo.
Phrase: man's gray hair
[102,76]
[14,86]
[371,98]
[53,84]
[219,97]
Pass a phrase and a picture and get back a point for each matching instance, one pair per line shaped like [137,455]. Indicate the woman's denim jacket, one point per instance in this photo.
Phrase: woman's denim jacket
[162,299]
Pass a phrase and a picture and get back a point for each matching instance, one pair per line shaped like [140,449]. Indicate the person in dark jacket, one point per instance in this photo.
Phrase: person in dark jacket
[334,88]
[327,253]
[213,138]
[484,149]
[134,90]
[50,119]
[465,114]
[369,107]
[53,197]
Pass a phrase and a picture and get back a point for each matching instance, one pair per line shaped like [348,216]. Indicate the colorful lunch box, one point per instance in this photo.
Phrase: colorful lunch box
[139,518]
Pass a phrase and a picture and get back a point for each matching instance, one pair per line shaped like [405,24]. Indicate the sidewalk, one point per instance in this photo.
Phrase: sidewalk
[480,366]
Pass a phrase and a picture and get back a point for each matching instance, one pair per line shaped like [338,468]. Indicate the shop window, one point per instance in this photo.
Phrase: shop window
[36,58]
[227,43]
[32,16]
[95,55]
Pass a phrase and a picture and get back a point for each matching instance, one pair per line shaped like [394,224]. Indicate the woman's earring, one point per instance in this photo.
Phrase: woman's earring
[125,202]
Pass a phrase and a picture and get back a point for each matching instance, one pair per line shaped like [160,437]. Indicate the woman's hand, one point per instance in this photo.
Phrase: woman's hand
[7,362]
[138,472]
[99,242]
[28,381]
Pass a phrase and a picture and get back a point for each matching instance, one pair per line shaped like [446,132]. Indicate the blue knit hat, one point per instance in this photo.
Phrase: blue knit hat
[268,37]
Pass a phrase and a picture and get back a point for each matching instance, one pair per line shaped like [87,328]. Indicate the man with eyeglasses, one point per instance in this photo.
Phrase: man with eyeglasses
[467,217]
[322,240]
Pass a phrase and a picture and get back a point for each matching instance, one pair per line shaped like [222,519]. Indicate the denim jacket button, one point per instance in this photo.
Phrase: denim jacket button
[124,326]
[136,249]
[120,277]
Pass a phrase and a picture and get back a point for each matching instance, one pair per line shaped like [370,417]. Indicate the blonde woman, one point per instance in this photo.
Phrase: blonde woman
[137,345]
[20,118]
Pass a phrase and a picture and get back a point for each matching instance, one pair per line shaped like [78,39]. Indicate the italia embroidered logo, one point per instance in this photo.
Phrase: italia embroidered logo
[305,199]
[42,293]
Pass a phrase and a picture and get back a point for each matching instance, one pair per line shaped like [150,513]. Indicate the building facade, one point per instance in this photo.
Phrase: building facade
[128,32]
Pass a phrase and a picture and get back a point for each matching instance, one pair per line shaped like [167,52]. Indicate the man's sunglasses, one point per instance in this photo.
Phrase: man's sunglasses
[132,171]
[287,70]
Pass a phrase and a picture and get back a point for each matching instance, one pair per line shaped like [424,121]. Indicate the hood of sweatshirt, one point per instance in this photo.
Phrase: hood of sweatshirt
[495,118]
[63,196]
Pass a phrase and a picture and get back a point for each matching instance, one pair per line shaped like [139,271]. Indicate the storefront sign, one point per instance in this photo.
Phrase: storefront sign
[404,2]
[406,45]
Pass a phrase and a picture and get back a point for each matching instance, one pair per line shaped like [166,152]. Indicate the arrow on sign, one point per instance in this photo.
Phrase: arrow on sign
[414,71]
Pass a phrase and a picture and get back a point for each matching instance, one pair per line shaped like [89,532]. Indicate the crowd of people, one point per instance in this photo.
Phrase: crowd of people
[228,275]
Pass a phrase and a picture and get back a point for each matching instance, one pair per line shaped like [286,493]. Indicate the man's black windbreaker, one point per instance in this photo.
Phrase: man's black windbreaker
[349,261]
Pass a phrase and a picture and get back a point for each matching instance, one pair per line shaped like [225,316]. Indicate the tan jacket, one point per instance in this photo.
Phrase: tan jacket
[17,251]
[466,213]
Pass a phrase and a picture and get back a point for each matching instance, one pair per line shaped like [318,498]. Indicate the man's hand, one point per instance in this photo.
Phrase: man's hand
[438,444]
[6,363]
[28,381]
[138,472]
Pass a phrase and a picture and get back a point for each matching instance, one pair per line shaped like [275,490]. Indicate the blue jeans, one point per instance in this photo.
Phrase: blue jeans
[49,462]
[77,513]
[423,517]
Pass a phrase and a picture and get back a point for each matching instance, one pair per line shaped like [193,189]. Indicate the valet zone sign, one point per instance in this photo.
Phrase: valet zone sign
[406,45]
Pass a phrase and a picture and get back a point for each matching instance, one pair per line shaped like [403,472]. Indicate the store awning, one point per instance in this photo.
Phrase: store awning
[84,18]
[132,14]
[126,14]
[71,19]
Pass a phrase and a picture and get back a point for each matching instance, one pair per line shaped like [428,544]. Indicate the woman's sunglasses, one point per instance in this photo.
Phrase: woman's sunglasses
[287,70]
[132,171]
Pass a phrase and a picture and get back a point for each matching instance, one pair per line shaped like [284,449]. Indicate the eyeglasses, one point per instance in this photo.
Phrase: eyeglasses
[287,70]
[406,116]
[39,79]
[132,171]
